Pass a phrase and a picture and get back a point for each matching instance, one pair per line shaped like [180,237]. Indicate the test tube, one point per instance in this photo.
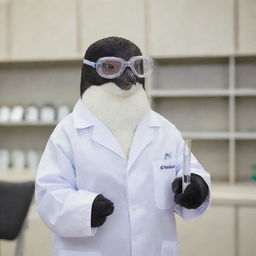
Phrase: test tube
[186,177]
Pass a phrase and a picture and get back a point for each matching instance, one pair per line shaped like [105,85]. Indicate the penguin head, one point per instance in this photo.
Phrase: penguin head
[110,47]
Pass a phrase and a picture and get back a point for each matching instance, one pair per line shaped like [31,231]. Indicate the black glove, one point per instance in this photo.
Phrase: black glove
[101,208]
[194,194]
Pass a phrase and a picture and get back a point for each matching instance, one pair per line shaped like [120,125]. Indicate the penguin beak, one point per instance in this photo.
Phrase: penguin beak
[126,80]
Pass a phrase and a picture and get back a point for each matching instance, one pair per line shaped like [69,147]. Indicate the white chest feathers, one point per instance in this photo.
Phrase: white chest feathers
[118,109]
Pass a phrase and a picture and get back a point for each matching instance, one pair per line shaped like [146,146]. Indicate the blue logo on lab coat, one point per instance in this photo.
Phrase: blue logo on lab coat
[167,157]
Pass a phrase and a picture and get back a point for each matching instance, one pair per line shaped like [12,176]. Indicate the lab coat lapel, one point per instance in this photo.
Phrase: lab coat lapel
[102,135]
[144,134]
[83,119]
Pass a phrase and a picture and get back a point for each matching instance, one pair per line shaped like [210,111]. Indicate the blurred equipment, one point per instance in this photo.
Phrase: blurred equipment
[18,159]
[47,113]
[32,160]
[5,113]
[31,113]
[17,114]
[4,159]
[253,176]
[15,199]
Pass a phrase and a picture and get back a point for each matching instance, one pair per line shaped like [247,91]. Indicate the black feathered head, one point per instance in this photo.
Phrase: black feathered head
[114,47]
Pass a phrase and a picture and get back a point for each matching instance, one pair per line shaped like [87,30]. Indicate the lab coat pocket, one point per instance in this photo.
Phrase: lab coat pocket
[170,248]
[164,174]
[79,253]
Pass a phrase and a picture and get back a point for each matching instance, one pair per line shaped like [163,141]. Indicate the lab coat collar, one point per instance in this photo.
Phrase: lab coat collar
[84,118]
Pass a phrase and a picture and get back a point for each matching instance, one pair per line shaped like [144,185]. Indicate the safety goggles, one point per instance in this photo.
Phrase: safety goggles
[112,67]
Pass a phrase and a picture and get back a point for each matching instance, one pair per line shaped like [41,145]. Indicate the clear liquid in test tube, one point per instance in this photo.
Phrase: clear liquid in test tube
[186,177]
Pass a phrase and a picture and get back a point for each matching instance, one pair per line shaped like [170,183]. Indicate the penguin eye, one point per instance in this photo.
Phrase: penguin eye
[111,67]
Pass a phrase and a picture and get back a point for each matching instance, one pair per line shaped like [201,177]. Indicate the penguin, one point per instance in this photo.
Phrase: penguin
[121,102]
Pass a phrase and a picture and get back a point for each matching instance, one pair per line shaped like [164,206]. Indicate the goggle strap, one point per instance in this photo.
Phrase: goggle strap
[90,63]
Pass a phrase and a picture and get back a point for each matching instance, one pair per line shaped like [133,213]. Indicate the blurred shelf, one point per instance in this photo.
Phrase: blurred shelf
[245,92]
[220,135]
[245,54]
[191,56]
[161,93]
[187,93]
[204,56]
[76,59]
[245,135]
[17,176]
[28,124]
[206,135]
[237,193]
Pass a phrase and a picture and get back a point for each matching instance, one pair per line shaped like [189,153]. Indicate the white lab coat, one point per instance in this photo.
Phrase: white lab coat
[82,159]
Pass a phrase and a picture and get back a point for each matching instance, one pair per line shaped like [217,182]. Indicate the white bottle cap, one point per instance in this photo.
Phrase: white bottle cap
[31,113]
[17,114]
[18,160]
[5,113]
[4,159]
[47,113]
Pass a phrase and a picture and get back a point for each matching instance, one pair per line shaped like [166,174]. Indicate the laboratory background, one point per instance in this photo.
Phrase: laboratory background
[204,81]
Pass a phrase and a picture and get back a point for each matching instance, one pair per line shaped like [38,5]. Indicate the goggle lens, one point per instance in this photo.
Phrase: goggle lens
[143,66]
[139,66]
[111,67]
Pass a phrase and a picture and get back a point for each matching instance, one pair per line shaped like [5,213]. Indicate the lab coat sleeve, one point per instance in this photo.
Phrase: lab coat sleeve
[196,168]
[65,209]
